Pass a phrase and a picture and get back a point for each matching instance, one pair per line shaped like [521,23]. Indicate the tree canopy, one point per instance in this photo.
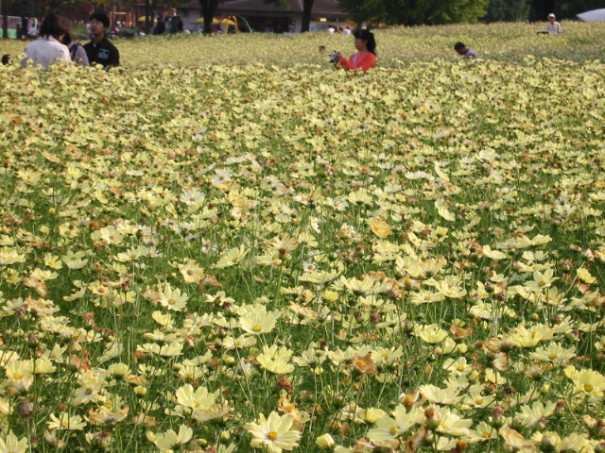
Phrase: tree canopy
[414,12]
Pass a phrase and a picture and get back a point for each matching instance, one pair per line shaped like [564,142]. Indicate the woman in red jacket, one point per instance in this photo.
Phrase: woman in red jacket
[365,58]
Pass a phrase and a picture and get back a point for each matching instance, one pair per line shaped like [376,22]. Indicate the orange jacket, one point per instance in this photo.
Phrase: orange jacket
[363,61]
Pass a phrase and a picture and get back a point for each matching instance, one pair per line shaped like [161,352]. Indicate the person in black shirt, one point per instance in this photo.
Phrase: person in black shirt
[100,50]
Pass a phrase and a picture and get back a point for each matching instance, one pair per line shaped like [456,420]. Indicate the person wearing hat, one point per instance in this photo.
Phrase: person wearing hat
[553,27]
[466,52]
[364,59]
[100,50]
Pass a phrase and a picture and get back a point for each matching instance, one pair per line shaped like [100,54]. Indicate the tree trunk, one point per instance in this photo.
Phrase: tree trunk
[148,20]
[306,17]
[4,12]
[208,11]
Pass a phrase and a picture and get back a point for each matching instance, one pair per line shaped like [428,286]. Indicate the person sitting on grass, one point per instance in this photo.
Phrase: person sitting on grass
[100,50]
[365,58]
[553,27]
[48,49]
[466,52]
[76,51]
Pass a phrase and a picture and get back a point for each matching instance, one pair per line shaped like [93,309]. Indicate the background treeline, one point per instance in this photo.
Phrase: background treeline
[407,12]
[416,12]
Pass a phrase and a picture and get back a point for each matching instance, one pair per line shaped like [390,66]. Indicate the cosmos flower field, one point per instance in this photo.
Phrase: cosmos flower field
[238,258]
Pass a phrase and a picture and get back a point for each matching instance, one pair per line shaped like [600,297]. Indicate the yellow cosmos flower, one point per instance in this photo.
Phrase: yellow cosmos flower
[52,261]
[191,272]
[586,382]
[19,374]
[452,424]
[319,277]
[380,228]
[531,415]
[514,440]
[172,298]
[457,366]
[274,434]
[364,286]
[192,399]
[232,257]
[255,319]
[276,359]
[10,256]
[431,333]
[167,441]
[554,352]
[474,397]
[109,235]
[91,388]
[325,442]
[443,211]
[66,422]
[75,260]
[449,395]
[12,444]
[542,280]
[495,255]
[481,433]
[193,197]
[392,427]
[242,341]
[585,276]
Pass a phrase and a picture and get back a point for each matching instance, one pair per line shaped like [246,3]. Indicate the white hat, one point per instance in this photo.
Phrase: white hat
[551,15]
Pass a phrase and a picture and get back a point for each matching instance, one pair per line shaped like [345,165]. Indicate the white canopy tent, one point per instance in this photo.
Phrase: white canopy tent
[595,15]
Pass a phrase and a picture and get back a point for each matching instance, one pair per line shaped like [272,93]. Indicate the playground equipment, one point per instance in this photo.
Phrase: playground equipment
[223,22]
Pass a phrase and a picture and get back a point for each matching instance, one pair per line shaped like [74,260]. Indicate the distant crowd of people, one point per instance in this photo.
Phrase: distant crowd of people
[342,30]
[55,44]
[168,24]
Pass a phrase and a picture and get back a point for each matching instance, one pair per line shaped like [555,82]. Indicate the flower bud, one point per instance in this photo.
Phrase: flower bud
[325,442]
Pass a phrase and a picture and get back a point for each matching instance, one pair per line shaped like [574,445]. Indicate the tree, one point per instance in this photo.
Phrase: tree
[507,10]
[541,9]
[306,18]
[372,11]
[307,10]
[208,11]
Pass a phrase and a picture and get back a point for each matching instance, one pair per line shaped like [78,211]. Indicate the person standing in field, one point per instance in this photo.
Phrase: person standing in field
[466,52]
[100,50]
[48,49]
[365,58]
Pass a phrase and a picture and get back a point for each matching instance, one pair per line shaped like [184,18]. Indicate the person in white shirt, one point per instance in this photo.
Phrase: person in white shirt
[553,27]
[48,49]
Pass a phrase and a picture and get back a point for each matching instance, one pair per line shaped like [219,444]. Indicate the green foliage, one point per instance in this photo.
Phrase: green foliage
[369,10]
[416,11]
[507,10]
